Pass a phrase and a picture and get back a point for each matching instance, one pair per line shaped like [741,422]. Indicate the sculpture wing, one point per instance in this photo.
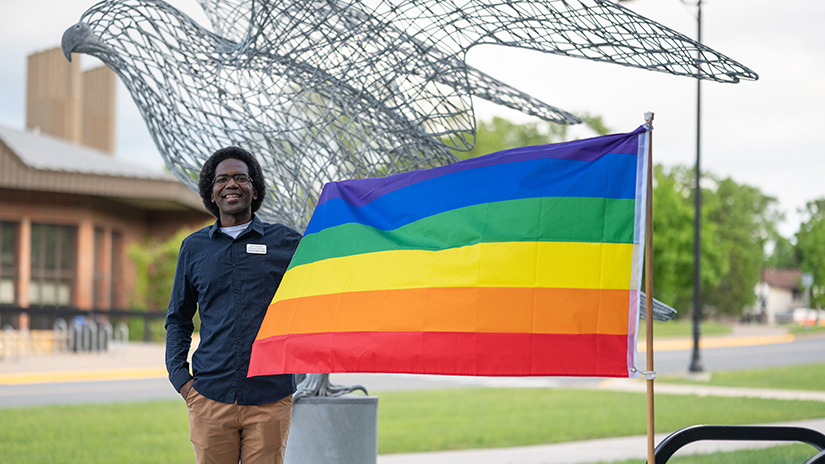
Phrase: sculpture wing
[426,84]
[598,30]
[231,19]
[485,86]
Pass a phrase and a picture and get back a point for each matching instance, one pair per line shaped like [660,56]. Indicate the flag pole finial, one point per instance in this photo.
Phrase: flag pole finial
[649,119]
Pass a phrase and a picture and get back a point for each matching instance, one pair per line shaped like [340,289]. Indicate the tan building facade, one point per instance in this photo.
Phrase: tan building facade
[75,106]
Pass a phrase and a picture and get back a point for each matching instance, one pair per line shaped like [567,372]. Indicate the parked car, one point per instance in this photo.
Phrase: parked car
[802,316]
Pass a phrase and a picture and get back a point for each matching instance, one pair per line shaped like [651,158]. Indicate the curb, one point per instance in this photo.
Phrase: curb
[82,376]
[720,342]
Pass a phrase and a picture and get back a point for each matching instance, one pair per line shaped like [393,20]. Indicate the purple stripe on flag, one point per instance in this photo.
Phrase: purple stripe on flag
[582,150]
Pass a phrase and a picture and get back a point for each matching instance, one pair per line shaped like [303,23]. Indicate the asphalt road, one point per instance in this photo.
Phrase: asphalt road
[803,350]
[101,391]
[800,351]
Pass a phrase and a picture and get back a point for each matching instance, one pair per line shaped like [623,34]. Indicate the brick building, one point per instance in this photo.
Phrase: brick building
[68,212]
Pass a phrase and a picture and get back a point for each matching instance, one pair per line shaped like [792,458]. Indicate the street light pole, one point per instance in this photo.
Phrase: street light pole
[696,362]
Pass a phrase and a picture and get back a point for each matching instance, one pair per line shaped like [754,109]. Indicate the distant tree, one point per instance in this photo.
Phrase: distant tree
[737,222]
[155,265]
[673,230]
[810,246]
[595,123]
[783,254]
[672,239]
[746,220]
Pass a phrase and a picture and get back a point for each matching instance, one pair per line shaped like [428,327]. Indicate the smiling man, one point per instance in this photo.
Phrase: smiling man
[228,273]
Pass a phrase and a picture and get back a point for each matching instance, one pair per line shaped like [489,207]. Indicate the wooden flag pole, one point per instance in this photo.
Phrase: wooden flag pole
[650,374]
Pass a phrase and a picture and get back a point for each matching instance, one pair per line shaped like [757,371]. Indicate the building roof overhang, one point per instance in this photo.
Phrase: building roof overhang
[788,279]
[40,162]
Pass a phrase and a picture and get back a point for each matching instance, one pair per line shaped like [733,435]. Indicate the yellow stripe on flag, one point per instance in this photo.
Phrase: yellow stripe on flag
[496,264]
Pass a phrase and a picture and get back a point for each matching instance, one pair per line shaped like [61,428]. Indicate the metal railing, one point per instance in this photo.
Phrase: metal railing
[82,335]
[69,314]
[16,344]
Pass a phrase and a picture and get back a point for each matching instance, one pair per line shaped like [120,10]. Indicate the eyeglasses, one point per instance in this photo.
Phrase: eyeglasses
[239,179]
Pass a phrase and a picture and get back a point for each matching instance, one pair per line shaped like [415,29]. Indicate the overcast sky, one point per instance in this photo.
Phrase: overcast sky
[762,133]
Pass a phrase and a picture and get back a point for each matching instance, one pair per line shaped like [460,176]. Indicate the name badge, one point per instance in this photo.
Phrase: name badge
[256,249]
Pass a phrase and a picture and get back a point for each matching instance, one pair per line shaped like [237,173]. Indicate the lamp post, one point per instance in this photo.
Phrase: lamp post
[696,361]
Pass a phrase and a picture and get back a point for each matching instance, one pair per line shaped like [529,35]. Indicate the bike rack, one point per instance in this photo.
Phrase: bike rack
[61,335]
[105,333]
[17,345]
[10,348]
[680,438]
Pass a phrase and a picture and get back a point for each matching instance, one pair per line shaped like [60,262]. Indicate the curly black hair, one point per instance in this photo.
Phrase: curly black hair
[207,178]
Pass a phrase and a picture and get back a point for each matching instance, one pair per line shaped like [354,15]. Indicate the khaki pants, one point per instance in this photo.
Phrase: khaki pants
[226,433]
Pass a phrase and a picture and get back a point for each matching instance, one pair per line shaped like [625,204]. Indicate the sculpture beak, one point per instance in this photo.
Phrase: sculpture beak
[80,39]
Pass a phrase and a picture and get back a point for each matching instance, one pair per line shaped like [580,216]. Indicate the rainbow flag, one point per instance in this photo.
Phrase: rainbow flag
[525,262]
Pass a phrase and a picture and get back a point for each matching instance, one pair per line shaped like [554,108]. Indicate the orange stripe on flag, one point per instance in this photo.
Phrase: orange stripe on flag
[454,309]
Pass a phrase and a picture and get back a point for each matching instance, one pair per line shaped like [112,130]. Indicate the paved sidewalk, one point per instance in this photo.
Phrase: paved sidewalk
[132,361]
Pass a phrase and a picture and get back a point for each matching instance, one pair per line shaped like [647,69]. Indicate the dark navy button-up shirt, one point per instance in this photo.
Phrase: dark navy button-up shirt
[230,282]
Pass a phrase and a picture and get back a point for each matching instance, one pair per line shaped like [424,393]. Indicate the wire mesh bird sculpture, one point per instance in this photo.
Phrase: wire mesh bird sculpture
[325,90]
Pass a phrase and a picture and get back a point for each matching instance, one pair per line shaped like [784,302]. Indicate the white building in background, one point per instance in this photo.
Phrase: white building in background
[779,292]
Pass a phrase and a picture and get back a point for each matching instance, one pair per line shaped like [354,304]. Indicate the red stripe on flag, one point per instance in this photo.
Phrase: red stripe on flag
[444,353]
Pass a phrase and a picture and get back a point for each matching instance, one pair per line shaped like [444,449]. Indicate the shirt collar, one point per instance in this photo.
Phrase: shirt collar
[256,226]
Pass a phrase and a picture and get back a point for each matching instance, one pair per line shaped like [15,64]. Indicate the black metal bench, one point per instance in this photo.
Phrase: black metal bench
[678,439]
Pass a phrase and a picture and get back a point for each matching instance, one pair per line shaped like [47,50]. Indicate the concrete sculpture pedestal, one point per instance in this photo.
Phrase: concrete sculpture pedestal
[333,430]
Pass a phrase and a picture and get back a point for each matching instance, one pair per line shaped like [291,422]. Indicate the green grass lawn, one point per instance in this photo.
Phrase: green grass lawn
[801,330]
[803,377]
[157,431]
[484,418]
[144,432]
[783,454]
[683,328]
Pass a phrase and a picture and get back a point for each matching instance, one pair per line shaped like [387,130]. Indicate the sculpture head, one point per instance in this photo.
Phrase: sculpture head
[116,28]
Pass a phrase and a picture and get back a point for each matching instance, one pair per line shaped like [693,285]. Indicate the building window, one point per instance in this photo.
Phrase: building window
[117,270]
[107,278]
[101,270]
[53,265]
[8,262]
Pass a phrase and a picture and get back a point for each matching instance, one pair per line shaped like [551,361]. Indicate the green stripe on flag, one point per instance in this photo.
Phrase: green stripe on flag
[555,219]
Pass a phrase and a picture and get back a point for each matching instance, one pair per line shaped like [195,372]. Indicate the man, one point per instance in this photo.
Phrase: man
[228,273]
